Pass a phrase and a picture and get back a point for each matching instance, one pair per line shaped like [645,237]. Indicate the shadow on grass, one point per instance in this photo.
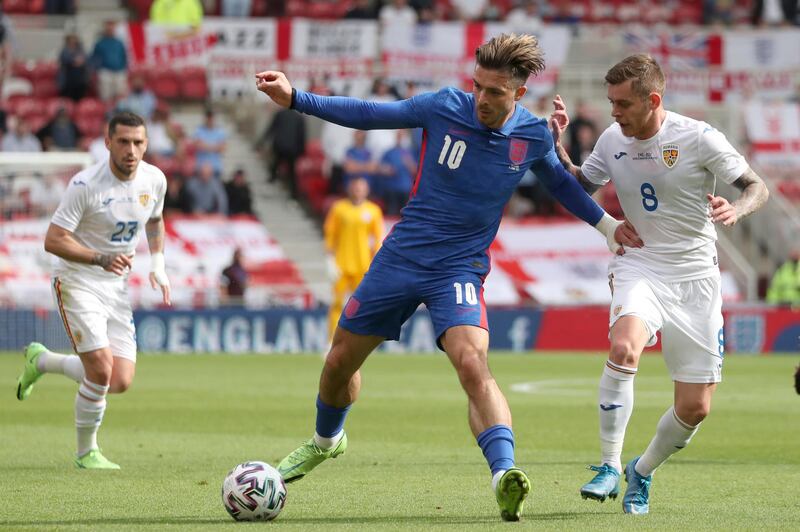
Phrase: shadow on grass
[355,520]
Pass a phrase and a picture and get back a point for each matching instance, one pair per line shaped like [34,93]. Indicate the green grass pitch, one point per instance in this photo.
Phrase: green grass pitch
[412,463]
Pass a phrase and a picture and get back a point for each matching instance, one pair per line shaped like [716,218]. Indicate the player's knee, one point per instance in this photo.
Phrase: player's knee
[623,353]
[472,368]
[692,412]
[120,384]
[337,363]
[98,371]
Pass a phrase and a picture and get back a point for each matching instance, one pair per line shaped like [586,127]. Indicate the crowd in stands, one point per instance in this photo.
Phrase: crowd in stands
[66,108]
[527,14]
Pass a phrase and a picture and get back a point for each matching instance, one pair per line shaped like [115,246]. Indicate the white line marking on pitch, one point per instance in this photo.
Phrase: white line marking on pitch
[558,387]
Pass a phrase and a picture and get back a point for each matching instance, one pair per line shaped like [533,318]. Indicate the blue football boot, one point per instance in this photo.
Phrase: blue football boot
[637,496]
[604,484]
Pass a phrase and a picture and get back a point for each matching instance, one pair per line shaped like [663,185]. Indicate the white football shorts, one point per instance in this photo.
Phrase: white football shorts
[96,314]
[688,314]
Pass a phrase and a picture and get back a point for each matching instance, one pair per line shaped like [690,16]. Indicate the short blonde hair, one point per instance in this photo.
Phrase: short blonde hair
[519,55]
[645,72]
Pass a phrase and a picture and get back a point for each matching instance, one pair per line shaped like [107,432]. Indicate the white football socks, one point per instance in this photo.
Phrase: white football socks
[496,478]
[328,443]
[69,365]
[616,405]
[672,435]
[90,405]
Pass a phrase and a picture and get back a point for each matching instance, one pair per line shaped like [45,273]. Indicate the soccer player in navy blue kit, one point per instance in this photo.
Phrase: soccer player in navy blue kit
[475,149]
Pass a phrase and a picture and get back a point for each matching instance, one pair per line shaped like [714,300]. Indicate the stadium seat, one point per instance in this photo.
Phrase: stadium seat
[141,8]
[36,122]
[16,6]
[296,8]
[90,126]
[260,8]
[44,79]
[193,83]
[93,107]
[188,167]
[168,165]
[275,272]
[55,103]
[21,104]
[23,69]
[165,83]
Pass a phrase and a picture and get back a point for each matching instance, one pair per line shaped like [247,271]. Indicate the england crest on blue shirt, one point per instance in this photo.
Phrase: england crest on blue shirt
[517,150]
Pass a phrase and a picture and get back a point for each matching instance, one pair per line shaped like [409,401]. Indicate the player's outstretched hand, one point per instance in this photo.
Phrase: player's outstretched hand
[161,281]
[721,210]
[559,119]
[626,236]
[113,263]
[275,85]
[158,276]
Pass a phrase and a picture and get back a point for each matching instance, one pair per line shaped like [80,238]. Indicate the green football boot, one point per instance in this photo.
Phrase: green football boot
[306,457]
[31,373]
[512,488]
[94,459]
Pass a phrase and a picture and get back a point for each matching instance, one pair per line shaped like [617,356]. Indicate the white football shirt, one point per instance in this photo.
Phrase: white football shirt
[108,215]
[662,184]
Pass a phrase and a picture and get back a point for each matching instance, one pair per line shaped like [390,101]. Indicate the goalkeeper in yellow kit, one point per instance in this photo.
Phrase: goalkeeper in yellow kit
[353,233]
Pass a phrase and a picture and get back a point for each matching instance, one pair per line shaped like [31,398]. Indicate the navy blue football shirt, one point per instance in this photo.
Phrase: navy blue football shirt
[466,175]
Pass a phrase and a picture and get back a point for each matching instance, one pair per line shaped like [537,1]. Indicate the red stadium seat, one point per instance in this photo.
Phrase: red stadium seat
[44,79]
[141,8]
[21,104]
[165,84]
[23,69]
[168,165]
[193,83]
[37,122]
[188,167]
[15,6]
[54,104]
[296,8]
[93,107]
[90,126]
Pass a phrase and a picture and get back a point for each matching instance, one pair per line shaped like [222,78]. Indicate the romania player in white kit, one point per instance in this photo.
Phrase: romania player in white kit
[664,167]
[94,233]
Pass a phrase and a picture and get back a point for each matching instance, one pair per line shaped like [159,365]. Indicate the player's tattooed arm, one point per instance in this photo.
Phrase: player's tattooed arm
[564,159]
[754,195]
[62,243]
[104,261]
[558,122]
[154,228]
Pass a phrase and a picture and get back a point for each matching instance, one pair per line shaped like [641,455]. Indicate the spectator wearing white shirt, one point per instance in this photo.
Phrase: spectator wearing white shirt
[525,18]
[397,12]
[20,138]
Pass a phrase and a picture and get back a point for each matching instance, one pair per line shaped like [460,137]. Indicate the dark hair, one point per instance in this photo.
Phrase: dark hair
[124,118]
[519,55]
[643,70]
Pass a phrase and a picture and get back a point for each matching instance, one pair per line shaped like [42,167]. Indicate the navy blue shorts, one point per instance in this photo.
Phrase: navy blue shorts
[394,287]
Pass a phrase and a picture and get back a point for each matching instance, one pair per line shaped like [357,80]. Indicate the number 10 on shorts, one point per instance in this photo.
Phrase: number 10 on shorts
[465,291]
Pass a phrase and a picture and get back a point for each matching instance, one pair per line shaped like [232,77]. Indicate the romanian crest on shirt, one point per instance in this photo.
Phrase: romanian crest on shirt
[144,199]
[517,149]
[669,154]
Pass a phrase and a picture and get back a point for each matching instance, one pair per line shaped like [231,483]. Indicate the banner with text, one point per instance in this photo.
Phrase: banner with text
[756,329]
[232,50]
[443,53]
